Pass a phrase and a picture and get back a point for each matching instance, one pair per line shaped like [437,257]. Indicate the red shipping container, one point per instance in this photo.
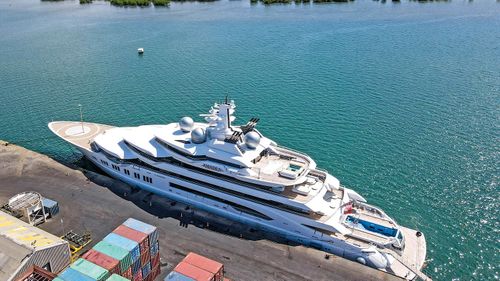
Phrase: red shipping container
[134,235]
[155,261]
[150,277]
[128,273]
[137,276]
[102,260]
[155,272]
[145,258]
[207,264]
[194,272]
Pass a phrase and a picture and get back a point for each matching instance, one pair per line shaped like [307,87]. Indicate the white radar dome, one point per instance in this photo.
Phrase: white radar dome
[198,135]
[252,140]
[186,124]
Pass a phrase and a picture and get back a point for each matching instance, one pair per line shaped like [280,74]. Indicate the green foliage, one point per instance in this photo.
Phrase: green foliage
[140,3]
[161,2]
[331,1]
[85,1]
[267,2]
[297,2]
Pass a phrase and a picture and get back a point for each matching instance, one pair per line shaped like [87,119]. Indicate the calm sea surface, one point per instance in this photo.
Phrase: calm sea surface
[400,101]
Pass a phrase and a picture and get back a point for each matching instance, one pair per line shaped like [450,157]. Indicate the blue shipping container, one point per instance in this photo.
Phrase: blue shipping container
[150,230]
[154,249]
[131,246]
[136,266]
[72,275]
[146,270]
[176,276]
[50,207]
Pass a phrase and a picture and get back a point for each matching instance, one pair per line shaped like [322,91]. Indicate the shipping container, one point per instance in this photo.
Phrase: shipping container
[136,266]
[150,230]
[50,207]
[145,258]
[155,261]
[116,277]
[176,276]
[155,248]
[115,252]
[137,276]
[155,271]
[90,269]
[146,269]
[70,274]
[131,246]
[103,260]
[134,235]
[207,264]
[194,272]
[128,273]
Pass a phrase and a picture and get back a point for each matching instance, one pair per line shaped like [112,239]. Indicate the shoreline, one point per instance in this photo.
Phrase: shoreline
[166,3]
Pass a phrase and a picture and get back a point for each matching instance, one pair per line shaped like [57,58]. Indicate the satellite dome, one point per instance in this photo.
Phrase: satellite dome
[186,124]
[252,140]
[198,135]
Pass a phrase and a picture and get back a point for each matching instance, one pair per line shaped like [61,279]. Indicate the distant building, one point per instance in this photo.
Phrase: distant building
[23,246]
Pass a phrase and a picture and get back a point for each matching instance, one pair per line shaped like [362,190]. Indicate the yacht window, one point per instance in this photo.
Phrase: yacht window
[282,206]
[232,204]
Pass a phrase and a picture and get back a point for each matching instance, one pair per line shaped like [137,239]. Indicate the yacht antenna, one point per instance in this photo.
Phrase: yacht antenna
[81,117]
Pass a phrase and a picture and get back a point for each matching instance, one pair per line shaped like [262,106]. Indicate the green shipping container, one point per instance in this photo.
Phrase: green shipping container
[115,252]
[116,277]
[90,269]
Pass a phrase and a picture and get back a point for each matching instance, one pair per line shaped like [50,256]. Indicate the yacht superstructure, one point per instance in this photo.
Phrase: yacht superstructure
[236,172]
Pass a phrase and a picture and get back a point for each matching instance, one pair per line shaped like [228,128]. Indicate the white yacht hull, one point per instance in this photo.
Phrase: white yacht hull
[281,224]
[249,203]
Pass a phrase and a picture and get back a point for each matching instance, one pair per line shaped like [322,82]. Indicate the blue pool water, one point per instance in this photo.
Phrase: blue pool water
[370,226]
[399,101]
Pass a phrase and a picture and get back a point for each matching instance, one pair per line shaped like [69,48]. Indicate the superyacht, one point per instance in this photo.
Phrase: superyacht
[238,173]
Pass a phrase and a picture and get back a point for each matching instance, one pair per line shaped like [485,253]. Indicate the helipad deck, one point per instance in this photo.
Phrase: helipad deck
[78,133]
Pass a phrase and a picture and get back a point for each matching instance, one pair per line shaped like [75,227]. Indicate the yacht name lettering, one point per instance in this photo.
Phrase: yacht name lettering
[211,167]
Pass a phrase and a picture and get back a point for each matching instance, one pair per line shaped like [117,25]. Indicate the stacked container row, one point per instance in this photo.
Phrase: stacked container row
[141,240]
[197,268]
[130,252]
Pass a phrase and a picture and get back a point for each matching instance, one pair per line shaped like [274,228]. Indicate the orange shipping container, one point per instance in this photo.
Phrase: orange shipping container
[194,272]
[207,264]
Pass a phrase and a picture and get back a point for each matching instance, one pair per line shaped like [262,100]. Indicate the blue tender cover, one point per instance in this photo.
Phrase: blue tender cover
[48,202]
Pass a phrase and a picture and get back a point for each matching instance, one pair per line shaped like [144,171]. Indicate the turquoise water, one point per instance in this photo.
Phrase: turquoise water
[399,101]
